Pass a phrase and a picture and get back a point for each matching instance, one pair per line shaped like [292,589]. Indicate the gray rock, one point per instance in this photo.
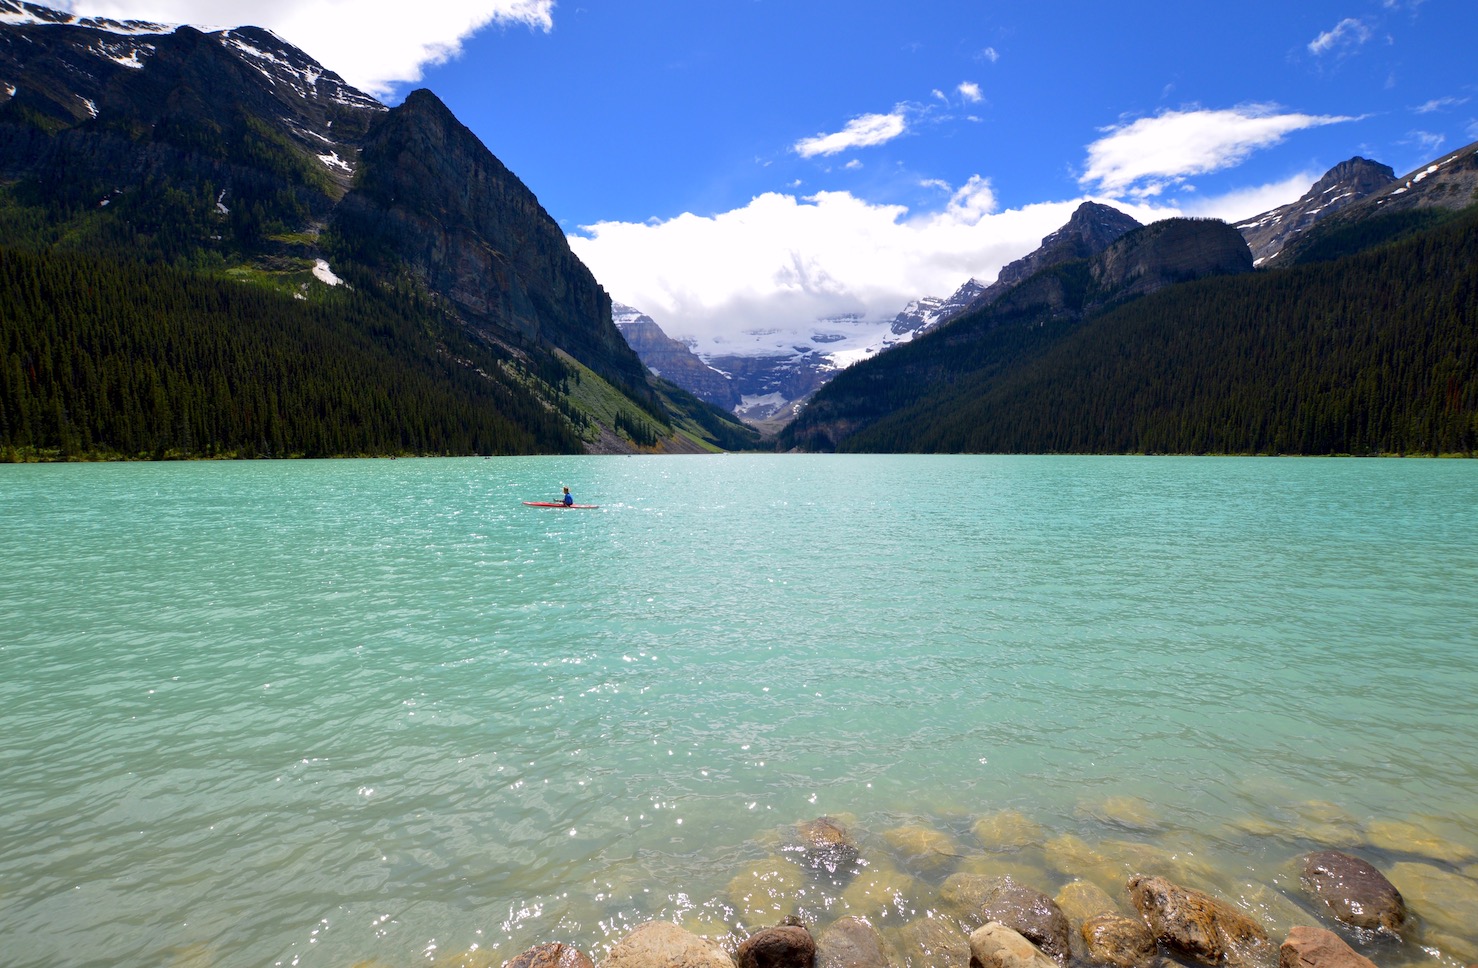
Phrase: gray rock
[1197,926]
[825,844]
[1353,891]
[1119,942]
[1030,913]
[661,944]
[787,946]
[997,946]
[852,942]
[1317,948]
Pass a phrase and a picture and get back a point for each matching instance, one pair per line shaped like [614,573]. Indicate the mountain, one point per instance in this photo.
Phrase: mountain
[1014,324]
[232,155]
[924,314]
[1092,228]
[1343,185]
[673,360]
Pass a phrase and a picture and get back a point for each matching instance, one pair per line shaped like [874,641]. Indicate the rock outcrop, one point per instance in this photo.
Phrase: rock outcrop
[1308,947]
[1196,925]
[1030,913]
[661,944]
[1165,253]
[1346,183]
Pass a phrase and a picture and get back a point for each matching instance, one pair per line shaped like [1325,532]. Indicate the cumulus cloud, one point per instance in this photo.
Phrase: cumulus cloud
[1144,157]
[784,261]
[1348,33]
[970,91]
[372,44]
[1241,204]
[861,132]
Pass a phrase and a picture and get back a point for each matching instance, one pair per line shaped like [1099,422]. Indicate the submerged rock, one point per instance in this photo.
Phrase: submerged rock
[1008,830]
[1119,942]
[1081,900]
[994,945]
[852,942]
[825,844]
[1197,925]
[1308,947]
[934,941]
[786,946]
[1351,890]
[1405,837]
[554,955]
[1445,900]
[661,944]
[1030,913]
[880,890]
[926,850]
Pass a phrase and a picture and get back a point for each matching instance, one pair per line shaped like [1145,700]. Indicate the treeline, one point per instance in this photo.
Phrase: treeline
[101,358]
[1376,353]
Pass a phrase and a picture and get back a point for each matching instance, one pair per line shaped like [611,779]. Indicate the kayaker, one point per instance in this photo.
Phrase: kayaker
[569,499]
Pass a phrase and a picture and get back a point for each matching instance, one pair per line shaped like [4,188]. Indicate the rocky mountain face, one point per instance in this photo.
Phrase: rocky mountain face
[1090,230]
[1164,253]
[673,360]
[1343,185]
[235,149]
[924,314]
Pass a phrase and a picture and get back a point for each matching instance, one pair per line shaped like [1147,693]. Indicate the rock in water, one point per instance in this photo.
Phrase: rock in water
[554,955]
[1317,948]
[787,946]
[1119,942]
[661,944]
[1353,891]
[1030,913]
[826,845]
[1197,925]
[997,946]
[851,942]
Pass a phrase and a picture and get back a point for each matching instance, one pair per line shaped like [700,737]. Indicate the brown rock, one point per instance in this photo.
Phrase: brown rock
[934,941]
[787,946]
[997,946]
[1353,891]
[554,955]
[1118,941]
[1030,913]
[661,944]
[851,942]
[1317,948]
[1197,925]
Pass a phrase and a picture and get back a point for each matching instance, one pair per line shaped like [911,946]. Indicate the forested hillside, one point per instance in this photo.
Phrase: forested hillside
[1371,353]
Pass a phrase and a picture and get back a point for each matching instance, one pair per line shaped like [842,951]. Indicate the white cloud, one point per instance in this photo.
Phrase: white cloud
[860,132]
[1349,32]
[1440,104]
[990,54]
[970,91]
[1144,157]
[1243,203]
[372,44]
[783,261]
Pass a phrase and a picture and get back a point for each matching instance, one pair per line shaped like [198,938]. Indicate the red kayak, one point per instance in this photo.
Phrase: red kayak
[557,504]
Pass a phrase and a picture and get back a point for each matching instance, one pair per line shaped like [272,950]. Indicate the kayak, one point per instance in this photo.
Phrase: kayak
[557,504]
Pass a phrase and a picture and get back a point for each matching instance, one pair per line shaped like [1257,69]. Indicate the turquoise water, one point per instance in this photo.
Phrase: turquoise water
[316,713]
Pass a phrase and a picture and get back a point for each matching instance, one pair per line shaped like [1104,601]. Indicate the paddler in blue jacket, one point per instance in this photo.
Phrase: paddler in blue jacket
[569,499]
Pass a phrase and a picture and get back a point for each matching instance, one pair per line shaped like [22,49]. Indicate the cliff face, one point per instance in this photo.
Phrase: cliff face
[673,361]
[1165,253]
[1091,229]
[430,195]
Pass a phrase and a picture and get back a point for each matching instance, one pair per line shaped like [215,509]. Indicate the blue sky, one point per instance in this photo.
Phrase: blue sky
[733,164]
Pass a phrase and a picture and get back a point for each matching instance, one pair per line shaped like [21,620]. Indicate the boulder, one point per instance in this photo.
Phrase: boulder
[1030,913]
[924,849]
[1196,925]
[852,942]
[786,946]
[997,946]
[1353,891]
[1082,900]
[825,844]
[934,941]
[1008,830]
[555,955]
[1119,942]
[1317,948]
[661,944]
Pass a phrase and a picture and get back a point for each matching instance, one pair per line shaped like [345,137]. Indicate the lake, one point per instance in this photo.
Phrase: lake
[322,712]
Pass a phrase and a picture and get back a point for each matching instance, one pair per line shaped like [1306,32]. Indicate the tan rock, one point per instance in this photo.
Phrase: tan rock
[553,955]
[930,852]
[1308,947]
[1406,837]
[1003,865]
[1008,830]
[881,890]
[661,944]
[825,844]
[1440,898]
[1030,913]
[1081,900]
[1134,813]
[766,891]
[1119,942]
[994,945]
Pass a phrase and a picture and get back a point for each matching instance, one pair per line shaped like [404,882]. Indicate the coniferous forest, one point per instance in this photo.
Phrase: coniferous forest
[118,359]
[1370,353]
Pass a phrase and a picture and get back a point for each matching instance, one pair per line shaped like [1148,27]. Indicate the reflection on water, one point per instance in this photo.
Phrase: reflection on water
[320,712]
